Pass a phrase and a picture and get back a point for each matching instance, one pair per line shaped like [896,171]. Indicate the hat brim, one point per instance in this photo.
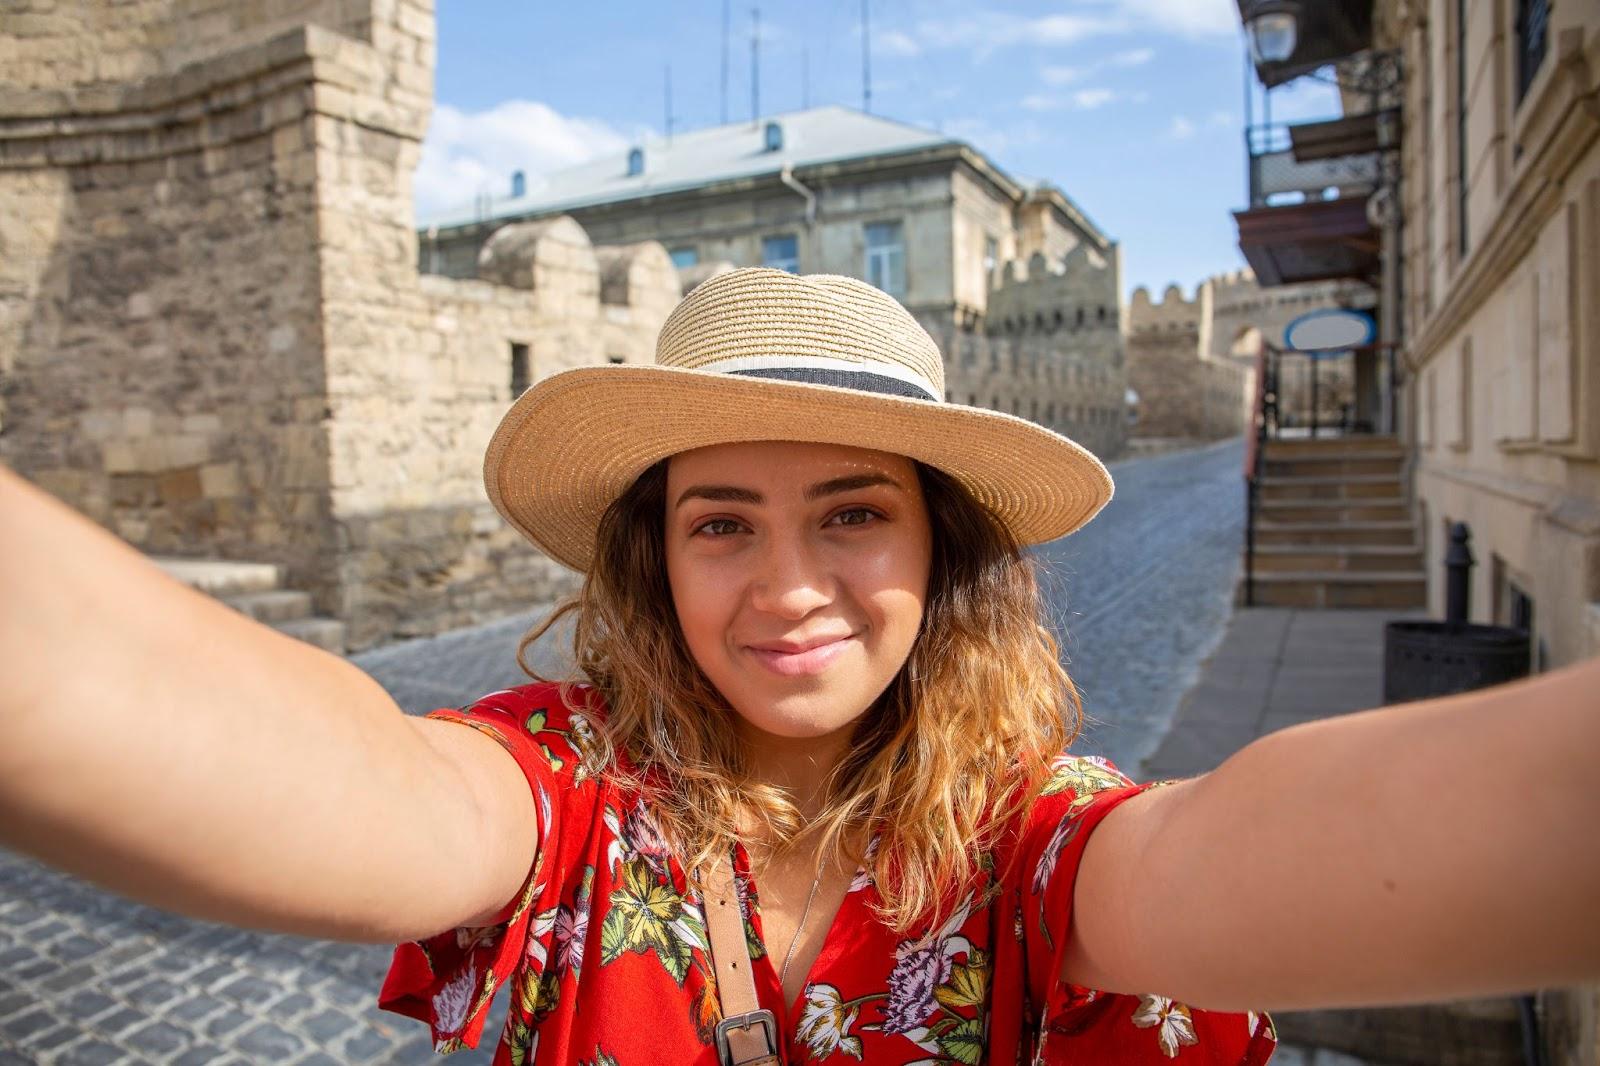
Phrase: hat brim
[574,442]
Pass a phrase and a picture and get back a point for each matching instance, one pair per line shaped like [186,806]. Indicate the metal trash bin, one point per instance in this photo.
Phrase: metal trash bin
[1422,659]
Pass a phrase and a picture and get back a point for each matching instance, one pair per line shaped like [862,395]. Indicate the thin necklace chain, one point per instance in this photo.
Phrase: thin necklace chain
[805,912]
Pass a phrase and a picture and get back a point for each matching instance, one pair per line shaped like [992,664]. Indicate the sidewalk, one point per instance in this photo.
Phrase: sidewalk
[1277,667]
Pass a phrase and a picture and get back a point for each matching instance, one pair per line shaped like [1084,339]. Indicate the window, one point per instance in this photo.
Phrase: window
[686,256]
[781,252]
[1533,22]
[521,370]
[773,138]
[886,257]
[991,256]
[635,162]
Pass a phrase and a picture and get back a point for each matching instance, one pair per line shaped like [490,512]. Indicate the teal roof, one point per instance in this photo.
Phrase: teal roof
[703,157]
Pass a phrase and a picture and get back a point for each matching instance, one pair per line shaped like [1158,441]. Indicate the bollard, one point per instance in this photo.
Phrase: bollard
[1458,563]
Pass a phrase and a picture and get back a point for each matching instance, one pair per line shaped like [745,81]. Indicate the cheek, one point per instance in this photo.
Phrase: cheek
[702,602]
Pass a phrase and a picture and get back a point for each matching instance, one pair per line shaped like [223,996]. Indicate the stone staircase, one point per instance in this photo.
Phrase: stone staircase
[1333,526]
[256,589]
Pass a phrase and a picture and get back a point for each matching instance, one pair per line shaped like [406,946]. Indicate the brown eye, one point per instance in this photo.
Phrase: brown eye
[719,527]
[855,516]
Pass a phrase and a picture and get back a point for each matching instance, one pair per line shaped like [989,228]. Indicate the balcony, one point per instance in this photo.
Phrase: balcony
[1309,186]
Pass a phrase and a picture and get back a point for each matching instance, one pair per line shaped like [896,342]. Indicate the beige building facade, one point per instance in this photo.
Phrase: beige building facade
[1020,288]
[1501,185]
[214,339]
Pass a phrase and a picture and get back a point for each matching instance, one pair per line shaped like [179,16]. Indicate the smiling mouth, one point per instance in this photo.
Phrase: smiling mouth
[812,660]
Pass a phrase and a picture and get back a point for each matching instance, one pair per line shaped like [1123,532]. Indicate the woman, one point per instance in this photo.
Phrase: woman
[811,801]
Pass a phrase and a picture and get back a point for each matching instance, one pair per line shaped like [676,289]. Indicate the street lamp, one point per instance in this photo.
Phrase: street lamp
[1273,27]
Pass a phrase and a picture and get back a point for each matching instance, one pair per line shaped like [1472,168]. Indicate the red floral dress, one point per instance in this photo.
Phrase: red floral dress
[604,950]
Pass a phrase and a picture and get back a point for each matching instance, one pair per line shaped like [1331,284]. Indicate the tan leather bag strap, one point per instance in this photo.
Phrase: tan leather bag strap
[747,1034]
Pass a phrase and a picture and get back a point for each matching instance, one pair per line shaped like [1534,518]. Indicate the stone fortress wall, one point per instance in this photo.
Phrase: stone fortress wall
[1050,348]
[213,336]
[1192,361]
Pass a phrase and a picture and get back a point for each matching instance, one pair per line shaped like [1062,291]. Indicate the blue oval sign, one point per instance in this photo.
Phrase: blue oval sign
[1330,328]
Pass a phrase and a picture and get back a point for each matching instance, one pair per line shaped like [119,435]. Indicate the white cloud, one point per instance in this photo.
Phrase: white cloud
[896,43]
[1089,99]
[1220,118]
[990,139]
[1063,75]
[1190,18]
[1082,100]
[1181,129]
[465,154]
[984,31]
[1133,57]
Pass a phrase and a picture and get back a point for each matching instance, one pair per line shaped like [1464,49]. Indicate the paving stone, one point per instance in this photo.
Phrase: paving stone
[16,956]
[215,974]
[229,1020]
[321,1058]
[366,1046]
[75,947]
[86,1003]
[19,1027]
[266,1041]
[14,1058]
[55,1038]
[119,1021]
[204,1055]
[248,989]
[71,977]
[197,1006]
[35,970]
[326,1025]
[16,1002]
[291,1006]
[157,1039]
[93,1053]
[154,994]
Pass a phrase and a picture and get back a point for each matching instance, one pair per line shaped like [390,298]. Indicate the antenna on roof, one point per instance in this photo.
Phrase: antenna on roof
[866,58]
[755,65]
[725,31]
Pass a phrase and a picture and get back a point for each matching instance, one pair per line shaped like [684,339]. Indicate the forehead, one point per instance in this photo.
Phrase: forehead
[784,462]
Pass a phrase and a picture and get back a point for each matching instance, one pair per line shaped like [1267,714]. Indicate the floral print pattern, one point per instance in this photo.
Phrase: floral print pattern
[606,954]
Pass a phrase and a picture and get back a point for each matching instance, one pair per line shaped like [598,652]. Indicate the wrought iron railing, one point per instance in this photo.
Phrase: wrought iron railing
[1277,178]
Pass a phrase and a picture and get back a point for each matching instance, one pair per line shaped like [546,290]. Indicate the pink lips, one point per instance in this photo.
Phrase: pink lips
[800,662]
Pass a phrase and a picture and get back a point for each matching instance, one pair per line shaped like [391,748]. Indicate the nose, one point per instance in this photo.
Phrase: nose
[791,578]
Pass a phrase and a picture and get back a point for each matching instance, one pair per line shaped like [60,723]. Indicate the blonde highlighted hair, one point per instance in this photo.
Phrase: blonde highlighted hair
[950,755]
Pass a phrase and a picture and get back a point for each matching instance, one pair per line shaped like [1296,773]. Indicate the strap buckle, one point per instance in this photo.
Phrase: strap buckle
[743,1022]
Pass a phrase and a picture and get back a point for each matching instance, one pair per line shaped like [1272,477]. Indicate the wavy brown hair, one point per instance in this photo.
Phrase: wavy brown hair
[944,760]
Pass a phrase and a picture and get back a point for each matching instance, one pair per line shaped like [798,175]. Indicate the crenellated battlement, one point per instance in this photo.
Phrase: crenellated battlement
[1044,296]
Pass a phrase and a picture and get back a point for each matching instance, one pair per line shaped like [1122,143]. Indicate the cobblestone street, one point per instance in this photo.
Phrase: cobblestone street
[87,978]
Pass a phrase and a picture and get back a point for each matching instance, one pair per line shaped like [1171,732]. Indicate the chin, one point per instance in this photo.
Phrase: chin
[801,716]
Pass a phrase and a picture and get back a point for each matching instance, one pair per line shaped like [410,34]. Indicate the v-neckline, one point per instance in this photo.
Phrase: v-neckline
[789,1018]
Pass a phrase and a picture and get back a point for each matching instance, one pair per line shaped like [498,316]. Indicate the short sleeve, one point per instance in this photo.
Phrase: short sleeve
[1085,1024]
[449,979]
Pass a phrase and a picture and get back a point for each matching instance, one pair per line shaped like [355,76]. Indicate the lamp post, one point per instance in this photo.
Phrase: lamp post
[1273,26]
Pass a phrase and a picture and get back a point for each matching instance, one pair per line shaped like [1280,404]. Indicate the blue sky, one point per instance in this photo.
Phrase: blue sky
[1133,107]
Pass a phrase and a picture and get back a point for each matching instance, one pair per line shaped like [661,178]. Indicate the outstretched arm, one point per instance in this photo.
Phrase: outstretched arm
[1435,850]
[169,748]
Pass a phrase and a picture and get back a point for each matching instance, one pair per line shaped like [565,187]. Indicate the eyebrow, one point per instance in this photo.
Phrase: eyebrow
[831,487]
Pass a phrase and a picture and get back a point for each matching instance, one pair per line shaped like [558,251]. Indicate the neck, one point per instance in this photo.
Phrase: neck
[798,765]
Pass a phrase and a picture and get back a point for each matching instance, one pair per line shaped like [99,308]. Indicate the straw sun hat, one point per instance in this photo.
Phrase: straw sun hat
[756,355]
